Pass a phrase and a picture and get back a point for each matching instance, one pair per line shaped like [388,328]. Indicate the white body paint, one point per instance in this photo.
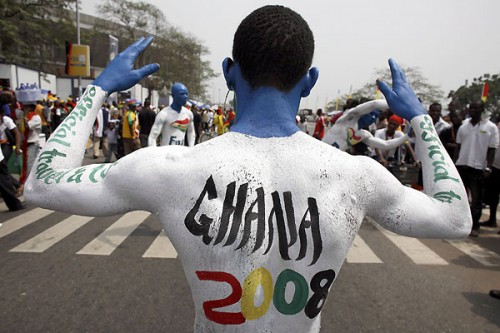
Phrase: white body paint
[345,188]
[345,133]
[173,126]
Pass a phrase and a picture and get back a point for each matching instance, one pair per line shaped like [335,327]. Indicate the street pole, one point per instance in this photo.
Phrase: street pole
[78,42]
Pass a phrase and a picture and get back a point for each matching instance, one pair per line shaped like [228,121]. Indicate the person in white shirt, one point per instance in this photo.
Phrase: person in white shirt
[435,114]
[34,127]
[392,134]
[477,139]
[8,186]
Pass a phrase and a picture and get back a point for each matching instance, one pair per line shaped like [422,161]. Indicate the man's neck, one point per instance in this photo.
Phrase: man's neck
[176,107]
[266,112]
[475,121]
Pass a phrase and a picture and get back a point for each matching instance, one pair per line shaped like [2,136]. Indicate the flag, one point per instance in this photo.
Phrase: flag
[484,95]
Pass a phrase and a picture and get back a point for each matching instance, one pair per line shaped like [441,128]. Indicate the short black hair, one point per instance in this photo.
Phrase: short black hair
[273,46]
[435,104]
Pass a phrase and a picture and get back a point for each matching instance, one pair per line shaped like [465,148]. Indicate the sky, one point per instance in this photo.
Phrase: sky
[449,40]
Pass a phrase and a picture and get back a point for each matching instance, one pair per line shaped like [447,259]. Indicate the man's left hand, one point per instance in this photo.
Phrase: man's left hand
[120,75]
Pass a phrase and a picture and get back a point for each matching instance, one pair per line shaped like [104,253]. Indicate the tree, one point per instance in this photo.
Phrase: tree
[179,55]
[471,93]
[427,92]
[130,19]
[31,31]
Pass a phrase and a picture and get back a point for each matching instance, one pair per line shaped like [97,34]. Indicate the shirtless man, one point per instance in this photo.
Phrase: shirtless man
[248,224]
[173,121]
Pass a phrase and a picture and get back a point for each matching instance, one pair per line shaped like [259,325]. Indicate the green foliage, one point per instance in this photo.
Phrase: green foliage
[179,55]
[31,31]
[33,34]
[472,93]
[427,92]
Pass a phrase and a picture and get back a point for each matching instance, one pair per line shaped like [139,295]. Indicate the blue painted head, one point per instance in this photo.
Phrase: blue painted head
[180,96]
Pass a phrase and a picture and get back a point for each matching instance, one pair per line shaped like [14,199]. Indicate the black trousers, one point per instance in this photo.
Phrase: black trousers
[8,188]
[492,192]
[473,182]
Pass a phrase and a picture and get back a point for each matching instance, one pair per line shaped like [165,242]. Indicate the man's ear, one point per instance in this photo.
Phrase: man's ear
[227,66]
[309,80]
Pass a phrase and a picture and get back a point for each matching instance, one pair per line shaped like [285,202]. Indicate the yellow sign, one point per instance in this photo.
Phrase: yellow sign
[78,63]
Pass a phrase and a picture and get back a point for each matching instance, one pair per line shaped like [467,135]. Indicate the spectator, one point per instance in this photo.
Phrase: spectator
[437,120]
[302,124]
[448,135]
[385,157]
[112,138]
[319,129]
[8,186]
[33,121]
[477,140]
[196,124]
[99,136]
[129,128]
[146,121]
[492,189]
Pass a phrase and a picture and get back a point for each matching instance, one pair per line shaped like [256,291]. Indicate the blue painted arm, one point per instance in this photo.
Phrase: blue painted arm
[120,75]
[401,98]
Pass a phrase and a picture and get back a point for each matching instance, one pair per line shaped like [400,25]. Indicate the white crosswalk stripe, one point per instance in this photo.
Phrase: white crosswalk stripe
[51,236]
[23,220]
[360,253]
[476,252]
[161,247]
[112,237]
[413,248]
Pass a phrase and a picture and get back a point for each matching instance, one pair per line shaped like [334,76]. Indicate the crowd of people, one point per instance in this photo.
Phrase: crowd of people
[469,135]
[119,129]
[125,126]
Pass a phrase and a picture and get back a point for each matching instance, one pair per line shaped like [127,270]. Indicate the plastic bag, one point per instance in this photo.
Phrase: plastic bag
[15,164]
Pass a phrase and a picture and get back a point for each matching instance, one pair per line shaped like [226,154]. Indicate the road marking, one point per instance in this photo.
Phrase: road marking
[116,234]
[476,252]
[23,220]
[51,236]
[413,248]
[360,253]
[161,248]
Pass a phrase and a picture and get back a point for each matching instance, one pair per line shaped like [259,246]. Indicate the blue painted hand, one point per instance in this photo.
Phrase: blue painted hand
[120,75]
[368,119]
[401,98]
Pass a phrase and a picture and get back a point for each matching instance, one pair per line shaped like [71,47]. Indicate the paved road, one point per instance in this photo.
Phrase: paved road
[65,273]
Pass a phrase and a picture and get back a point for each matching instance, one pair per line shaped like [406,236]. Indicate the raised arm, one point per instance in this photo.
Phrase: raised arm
[58,181]
[352,116]
[378,143]
[442,210]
